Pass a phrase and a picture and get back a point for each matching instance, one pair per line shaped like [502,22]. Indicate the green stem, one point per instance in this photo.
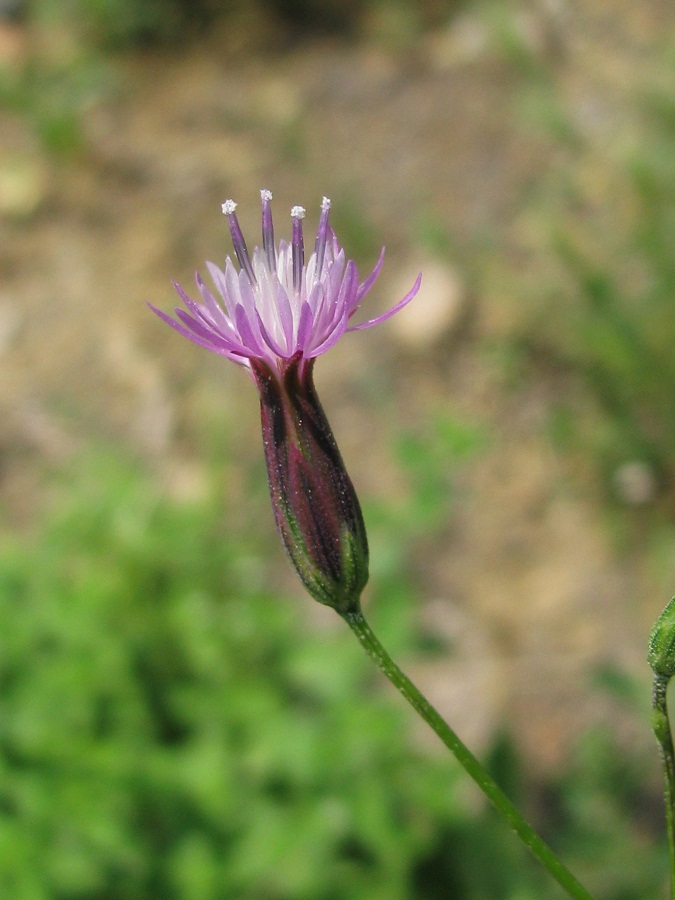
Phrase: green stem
[661,726]
[465,757]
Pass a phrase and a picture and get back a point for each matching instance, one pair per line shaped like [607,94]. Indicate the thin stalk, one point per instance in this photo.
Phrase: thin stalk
[465,757]
[664,736]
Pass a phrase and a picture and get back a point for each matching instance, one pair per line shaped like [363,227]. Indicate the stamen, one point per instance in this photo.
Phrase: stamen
[321,235]
[268,231]
[298,246]
[238,242]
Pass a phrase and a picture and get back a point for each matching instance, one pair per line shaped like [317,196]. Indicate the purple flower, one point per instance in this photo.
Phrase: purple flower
[277,315]
[277,307]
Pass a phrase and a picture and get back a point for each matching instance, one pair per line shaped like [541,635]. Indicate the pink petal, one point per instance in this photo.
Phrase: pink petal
[305,326]
[196,326]
[399,306]
[191,336]
[248,338]
[269,340]
[370,281]
[344,300]
[285,315]
[216,310]
[332,338]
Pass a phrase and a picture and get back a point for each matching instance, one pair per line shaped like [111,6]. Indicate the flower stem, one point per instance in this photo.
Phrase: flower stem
[661,726]
[467,760]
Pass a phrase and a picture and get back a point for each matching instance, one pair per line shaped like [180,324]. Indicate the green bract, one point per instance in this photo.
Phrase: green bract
[661,656]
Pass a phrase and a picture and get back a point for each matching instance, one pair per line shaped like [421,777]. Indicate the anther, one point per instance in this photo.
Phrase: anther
[238,242]
[321,235]
[298,246]
[268,231]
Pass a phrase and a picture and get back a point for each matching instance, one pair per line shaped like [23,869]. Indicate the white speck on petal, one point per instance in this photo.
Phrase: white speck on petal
[228,207]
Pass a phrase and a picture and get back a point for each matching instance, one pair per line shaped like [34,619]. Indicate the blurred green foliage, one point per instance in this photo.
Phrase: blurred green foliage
[603,285]
[121,24]
[53,94]
[430,457]
[171,726]
[623,330]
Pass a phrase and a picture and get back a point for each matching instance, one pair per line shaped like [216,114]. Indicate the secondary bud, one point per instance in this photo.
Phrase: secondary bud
[661,656]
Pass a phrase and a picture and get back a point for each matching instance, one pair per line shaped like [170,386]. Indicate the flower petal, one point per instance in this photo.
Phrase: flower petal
[332,337]
[304,327]
[370,281]
[218,314]
[345,296]
[248,338]
[269,340]
[223,287]
[202,330]
[399,306]
[202,342]
[285,315]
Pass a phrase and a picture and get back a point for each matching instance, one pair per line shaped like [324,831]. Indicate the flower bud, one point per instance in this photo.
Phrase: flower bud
[661,656]
[315,506]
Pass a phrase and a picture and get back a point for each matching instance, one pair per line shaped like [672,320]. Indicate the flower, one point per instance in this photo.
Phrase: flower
[277,316]
[277,307]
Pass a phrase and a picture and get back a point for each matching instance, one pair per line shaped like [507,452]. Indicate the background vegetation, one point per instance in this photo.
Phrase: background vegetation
[172,727]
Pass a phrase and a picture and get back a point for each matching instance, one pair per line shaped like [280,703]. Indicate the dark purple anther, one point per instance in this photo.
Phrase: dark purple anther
[238,242]
[268,231]
[321,235]
[298,245]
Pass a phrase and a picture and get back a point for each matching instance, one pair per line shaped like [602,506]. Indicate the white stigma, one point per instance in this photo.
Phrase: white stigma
[265,194]
[228,207]
[325,203]
[298,212]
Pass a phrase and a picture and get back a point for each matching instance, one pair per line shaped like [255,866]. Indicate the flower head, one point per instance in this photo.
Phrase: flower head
[278,313]
[278,306]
